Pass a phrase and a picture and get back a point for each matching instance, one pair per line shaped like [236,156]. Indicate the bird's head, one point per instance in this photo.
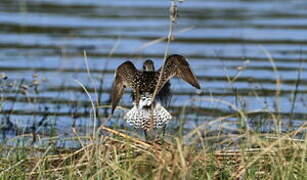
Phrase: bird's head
[148,65]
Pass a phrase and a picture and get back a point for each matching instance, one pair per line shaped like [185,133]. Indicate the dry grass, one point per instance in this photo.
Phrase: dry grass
[119,156]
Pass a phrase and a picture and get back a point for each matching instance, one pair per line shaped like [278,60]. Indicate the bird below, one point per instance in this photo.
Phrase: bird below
[151,90]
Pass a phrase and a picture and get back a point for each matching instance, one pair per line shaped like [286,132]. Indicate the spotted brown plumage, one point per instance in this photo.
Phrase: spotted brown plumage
[144,82]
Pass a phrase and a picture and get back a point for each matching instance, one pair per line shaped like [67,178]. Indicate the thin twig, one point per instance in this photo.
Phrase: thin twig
[173,14]
[92,103]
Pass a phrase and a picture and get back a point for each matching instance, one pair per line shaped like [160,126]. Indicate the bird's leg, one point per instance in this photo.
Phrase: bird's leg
[163,130]
[160,139]
[145,134]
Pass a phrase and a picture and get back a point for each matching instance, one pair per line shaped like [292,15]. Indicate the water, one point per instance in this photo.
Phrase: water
[228,44]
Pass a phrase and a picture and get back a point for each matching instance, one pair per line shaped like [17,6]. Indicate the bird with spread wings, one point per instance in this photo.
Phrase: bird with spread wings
[147,112]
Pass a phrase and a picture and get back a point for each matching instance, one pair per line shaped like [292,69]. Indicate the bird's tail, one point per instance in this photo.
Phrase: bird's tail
[148,118]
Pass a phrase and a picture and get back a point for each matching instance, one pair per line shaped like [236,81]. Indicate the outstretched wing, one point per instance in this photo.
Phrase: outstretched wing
[178,66]
[124,77]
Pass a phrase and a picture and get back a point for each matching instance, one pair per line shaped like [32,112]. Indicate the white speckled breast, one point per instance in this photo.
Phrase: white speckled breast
[146,118]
